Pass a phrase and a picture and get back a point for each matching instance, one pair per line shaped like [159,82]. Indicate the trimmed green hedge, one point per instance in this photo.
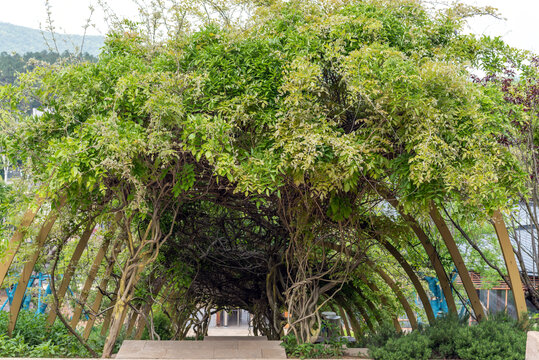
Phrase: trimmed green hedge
[498,338]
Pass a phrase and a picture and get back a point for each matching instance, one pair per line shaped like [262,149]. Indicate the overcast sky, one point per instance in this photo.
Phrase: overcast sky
[520,29]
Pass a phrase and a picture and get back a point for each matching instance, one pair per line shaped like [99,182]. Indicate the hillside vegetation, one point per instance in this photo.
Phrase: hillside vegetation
[22,40]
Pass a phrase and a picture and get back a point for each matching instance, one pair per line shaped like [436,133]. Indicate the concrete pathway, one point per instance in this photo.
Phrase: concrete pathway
[236,347]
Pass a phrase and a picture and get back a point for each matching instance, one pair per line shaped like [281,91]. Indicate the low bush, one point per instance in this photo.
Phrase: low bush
[32,338]
[412,346]
[162,327]
[498,338]
[330,349]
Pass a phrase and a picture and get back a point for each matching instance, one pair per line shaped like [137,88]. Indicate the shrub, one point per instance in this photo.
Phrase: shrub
[444,334]
[412,346]
[162,327]
[312,351]
[498,338]
[32,338]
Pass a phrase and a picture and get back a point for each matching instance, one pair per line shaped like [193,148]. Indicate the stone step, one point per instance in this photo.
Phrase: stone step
[235,338]
[217,349]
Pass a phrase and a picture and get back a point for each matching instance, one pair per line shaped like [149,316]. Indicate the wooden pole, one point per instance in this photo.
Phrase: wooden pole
[383,299]
[108,314]
[459,262]
[400,296]
[29,266]
[510,263]
[429,249]
[70,270]
[89,281]
[360,302]
[413,278]
[148,306]
[344,320]
[15,242]
[356,326]
[132,321]
[103,286]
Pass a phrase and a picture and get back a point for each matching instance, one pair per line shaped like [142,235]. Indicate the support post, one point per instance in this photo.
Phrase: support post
[356,326]
[15,242]
[108,314]
[459,262]
[89,281]
[429,249]
[402,299]
[413,278]
[383,299]
[103,287]
[29,266]
[81,245]
[344,320]
[511,265]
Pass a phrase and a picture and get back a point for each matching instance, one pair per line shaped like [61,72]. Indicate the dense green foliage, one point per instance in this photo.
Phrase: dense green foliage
[497,338]
[260,164]
[33,339]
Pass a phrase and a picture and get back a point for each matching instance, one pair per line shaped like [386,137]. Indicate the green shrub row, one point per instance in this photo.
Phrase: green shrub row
[33,338]
[498,338]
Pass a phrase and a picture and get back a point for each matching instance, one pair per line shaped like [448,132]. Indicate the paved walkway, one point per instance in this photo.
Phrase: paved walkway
[234,347]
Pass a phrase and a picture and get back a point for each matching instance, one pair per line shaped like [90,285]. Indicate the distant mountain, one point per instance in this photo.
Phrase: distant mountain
[20,39]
